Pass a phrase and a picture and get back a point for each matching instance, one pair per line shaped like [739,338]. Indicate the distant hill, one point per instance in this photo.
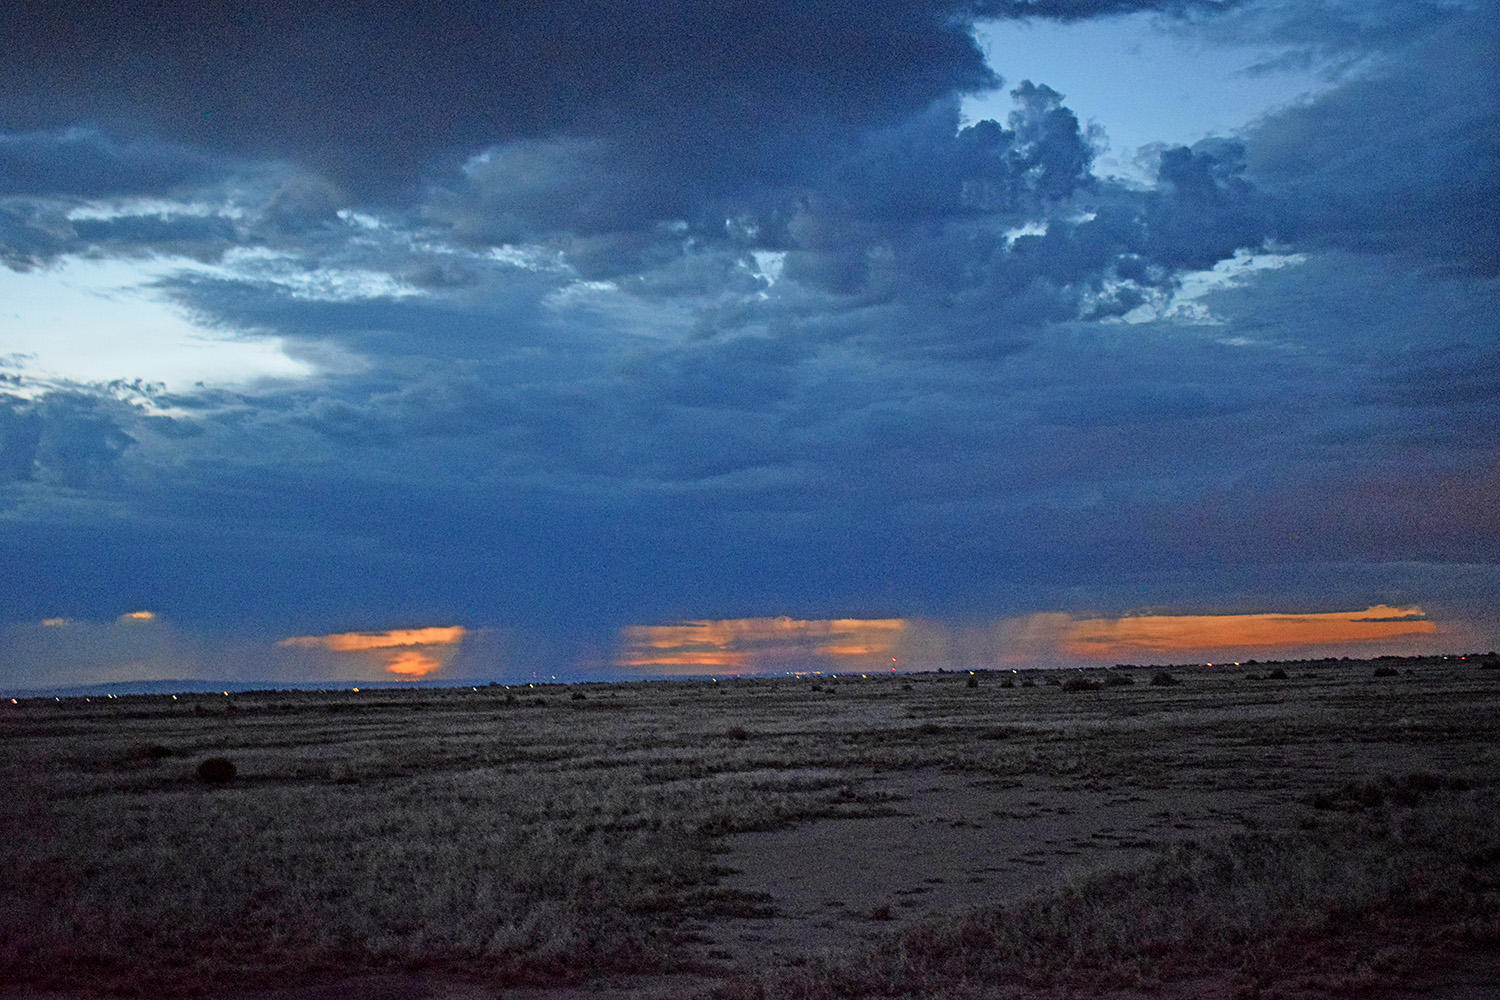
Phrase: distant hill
[200,686]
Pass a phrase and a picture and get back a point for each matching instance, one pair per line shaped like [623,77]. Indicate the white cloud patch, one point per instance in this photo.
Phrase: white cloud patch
[316,283]
[1185,303]
[100,320]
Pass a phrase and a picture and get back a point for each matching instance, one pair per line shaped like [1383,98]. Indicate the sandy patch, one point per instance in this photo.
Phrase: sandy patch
[958,842]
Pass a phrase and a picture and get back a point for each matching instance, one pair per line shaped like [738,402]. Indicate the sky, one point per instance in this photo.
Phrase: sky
[592,340]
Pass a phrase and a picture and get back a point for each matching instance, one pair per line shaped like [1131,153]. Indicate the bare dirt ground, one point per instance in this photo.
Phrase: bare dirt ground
[834,817]
[954,842]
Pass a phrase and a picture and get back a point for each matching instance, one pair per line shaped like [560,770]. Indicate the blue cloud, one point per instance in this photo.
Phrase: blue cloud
[756,334]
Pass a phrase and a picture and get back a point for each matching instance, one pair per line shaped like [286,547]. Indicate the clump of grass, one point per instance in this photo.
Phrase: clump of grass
[216,771]
[737,733]
[1373,793]
[1080,683]
[143,754]
[1276,675]
[972,682]
[1163,679]
[1384,671]
[1113,679]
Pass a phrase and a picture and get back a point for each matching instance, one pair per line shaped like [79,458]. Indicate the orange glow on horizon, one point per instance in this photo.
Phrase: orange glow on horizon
[749,644]
[1116,637]
[412,663]
[353,642]
[408,652]
[138,616]
[670,659]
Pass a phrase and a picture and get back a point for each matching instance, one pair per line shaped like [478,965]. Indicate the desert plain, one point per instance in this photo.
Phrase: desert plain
[1296,829]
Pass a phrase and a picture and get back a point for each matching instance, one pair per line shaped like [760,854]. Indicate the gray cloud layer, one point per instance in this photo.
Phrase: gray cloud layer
[691,313]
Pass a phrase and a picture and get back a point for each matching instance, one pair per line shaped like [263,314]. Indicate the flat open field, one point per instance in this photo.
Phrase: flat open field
[1331,829]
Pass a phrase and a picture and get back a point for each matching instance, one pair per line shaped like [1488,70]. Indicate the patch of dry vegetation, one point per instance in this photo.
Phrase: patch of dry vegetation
[525,836]
[1340,908]
[419,831]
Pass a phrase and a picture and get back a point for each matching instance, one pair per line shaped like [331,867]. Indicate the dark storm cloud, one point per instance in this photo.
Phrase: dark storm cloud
[68,439]
[1078,10]
[86,163]
[36,232]
[33,233]
[728,312]
[20,435]
[1402,159]
[1335,37]
[924,168]
[374,95]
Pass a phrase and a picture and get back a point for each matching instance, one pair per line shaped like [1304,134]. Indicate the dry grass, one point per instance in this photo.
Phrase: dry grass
[528,836]
[1344,907]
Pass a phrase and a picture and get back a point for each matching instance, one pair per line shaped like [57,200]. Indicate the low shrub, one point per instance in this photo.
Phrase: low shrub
[1163,679]
[1387,672]
[216,771]
[1080,684]
[1276,675]
[1118,680]
[1372,793]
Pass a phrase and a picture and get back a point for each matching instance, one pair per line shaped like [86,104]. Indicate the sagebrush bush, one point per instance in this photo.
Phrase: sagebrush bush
[216,770]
